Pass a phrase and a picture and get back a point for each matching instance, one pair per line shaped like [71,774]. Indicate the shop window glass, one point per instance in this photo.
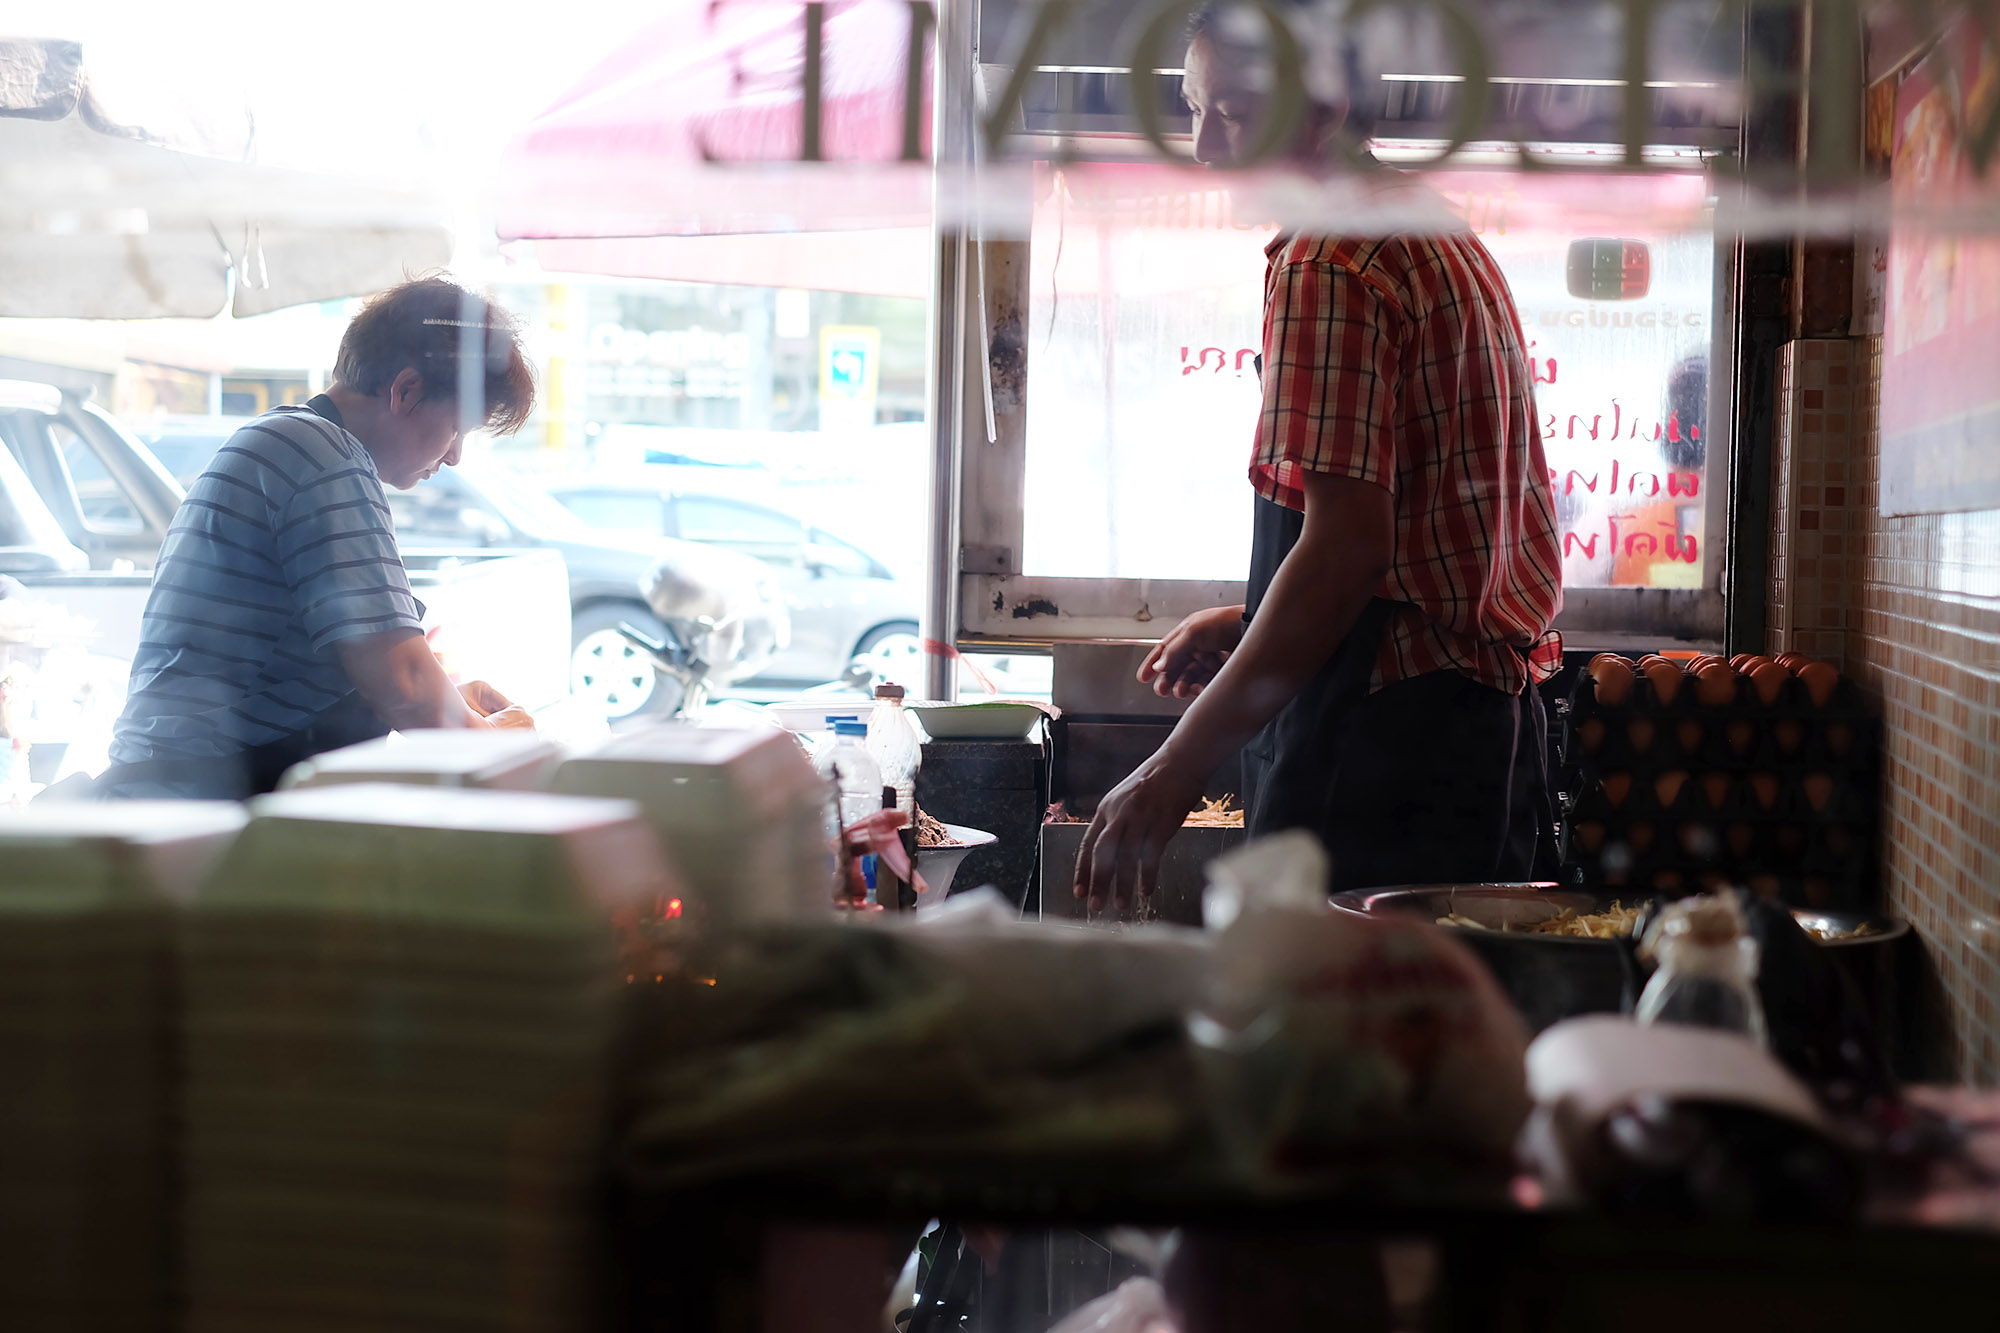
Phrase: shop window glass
[1143,393]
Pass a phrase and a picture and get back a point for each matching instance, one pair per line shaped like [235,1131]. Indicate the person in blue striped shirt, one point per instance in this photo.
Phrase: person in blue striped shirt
[281,622]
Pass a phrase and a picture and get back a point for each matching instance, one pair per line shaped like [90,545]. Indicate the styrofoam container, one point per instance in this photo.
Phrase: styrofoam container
[500,760]
[740,811]
[464,857]
[808,717]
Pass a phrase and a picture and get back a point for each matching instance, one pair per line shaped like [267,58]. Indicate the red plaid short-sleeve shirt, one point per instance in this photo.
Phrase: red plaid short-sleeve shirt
[1399,361]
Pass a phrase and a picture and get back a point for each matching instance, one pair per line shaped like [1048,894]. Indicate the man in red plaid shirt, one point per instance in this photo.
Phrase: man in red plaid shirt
[1405,571]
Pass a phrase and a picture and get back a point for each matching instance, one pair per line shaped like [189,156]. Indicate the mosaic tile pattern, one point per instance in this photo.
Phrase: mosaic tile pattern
[1812,552]
[1911,607]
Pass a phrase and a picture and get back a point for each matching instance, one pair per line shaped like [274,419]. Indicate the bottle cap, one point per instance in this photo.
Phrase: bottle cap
[850,727]
[890,692]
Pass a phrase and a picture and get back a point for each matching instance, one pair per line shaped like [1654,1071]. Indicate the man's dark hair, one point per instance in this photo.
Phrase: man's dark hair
[432,326]
[1206,22]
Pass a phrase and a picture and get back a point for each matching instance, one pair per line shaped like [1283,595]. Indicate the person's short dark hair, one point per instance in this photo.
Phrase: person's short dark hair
[431,325]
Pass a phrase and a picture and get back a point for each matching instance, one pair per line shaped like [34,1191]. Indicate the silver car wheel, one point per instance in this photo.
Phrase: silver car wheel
[898,657]
[609,673]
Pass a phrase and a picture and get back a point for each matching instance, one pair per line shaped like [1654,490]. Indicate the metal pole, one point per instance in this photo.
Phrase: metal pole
[951,148]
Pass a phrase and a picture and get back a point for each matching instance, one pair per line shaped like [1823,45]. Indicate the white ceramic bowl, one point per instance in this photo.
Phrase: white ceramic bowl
[939,865]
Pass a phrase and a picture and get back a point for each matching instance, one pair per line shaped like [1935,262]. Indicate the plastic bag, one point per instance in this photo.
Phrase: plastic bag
[1324,1033]
[1139,1305]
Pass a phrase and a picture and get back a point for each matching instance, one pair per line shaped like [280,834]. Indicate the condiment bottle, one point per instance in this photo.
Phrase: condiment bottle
[892,743]
[1707,973]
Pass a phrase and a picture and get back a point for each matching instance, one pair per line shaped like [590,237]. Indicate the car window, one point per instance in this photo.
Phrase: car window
[444,511]
[704,518]
[99,498]
[617,511]
[186,456]
[837,557]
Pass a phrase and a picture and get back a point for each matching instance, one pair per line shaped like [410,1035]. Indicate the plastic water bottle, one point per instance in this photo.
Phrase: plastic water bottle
[892,743]
[847,765]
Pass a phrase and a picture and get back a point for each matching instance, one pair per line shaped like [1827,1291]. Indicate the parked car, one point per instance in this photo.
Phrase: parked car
[112,499]
[844,603]
[481,504]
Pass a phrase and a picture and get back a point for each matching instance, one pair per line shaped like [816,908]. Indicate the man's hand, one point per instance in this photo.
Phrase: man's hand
[494,707]
[1193,652]
[1120,855]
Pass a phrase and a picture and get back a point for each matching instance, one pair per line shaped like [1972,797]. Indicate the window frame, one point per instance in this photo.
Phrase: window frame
[999,605]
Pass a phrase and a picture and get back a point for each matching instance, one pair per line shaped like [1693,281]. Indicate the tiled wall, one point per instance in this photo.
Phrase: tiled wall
[1911,607]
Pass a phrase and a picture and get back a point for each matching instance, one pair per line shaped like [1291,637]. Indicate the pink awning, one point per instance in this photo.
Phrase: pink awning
[654,141]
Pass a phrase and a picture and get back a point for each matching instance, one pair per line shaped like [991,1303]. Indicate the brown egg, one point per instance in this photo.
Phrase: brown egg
[1590,835]
[1790,734]
[1666,678]
[1838,840]
[1819,680]
[1819,789]
[1712,881]
[1614,681]
[1765,786]
[1715,687]
[1791,839]
[1815,891]
[1716,787]
[1792,662]
[1699,660]
[1590,734]
[1752,662]
[1740,661]
[1617,786]
[1839,737]
[1667,787]
[1741,735]
[1640,732]
[1690,734]
[1765,886]
[1642,837]
[1768,679]
[1667,881]
[1740,837]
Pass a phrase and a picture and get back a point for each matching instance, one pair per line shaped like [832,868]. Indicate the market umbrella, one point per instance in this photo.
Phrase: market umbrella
[677,156]
[130,215]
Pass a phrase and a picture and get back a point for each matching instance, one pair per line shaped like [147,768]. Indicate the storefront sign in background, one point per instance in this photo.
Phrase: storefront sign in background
[1941,328]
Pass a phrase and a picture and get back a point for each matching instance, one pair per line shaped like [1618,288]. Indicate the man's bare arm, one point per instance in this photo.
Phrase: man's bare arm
[1347,545]
[399,677]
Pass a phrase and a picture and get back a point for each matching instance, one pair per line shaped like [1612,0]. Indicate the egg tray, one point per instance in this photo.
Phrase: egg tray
[1814,874]
[1744,734]
[1848,802]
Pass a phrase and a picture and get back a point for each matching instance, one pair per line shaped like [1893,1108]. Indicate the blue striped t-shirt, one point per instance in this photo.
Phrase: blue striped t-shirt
[282,548]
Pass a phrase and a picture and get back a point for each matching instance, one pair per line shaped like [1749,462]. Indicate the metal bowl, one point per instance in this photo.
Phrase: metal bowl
[1503,908]
[1883,929]
[1548,977]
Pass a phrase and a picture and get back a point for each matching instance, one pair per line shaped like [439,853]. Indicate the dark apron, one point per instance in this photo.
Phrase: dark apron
[1438,779]
[247,773]
[1288,766]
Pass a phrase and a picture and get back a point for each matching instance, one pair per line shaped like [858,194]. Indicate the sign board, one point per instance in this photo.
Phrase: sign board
[850,367]
[1941,324]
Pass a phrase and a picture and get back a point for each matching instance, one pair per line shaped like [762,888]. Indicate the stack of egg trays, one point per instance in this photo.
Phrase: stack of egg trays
[1812,855]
